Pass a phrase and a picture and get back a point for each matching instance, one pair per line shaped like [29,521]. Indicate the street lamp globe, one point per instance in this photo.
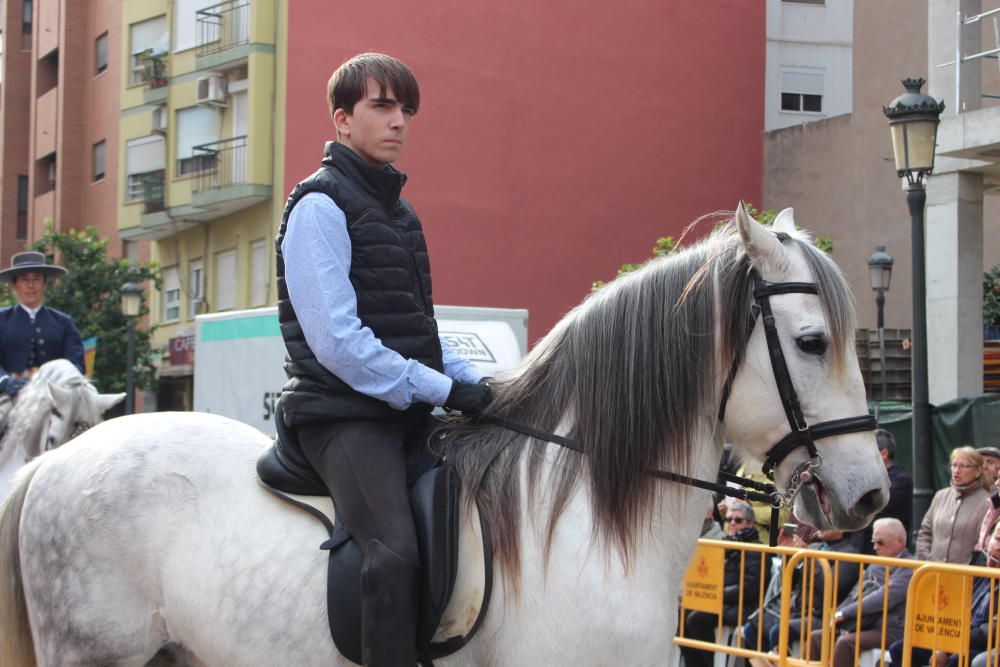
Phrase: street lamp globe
[880,269]
[131,295]
[913,121]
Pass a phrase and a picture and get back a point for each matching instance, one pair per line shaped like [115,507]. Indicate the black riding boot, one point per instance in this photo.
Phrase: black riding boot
[388,608]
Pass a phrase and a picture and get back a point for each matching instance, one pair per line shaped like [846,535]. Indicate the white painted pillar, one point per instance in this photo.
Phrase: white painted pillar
[954,224]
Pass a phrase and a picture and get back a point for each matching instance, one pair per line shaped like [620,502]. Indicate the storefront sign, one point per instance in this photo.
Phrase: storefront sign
[181,350]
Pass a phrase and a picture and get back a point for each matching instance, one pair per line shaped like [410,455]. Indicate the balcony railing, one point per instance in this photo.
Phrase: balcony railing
[149,68]
[153,191]
[225,164]
[223,26]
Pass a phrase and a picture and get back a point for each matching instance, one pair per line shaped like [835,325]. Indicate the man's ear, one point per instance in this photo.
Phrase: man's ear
[342,121]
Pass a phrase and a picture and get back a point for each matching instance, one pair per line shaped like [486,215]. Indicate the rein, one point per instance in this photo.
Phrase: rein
[801,434]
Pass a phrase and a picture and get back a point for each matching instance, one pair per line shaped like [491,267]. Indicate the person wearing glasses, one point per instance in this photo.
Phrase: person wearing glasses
[746,567]
[869,598]
[950,528]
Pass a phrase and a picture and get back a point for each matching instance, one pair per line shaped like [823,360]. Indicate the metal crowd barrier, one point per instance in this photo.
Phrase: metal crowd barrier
[937,607]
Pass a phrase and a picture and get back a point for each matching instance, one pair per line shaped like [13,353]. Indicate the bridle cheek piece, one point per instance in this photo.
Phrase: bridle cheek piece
[801,433]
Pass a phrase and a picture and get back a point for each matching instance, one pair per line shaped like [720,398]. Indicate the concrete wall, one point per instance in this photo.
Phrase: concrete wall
[555,141]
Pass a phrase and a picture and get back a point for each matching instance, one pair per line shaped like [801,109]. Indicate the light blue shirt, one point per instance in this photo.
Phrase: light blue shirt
[317,253]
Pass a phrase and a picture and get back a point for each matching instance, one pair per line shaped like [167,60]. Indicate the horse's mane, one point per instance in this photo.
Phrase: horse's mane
[26,418]
[630,374]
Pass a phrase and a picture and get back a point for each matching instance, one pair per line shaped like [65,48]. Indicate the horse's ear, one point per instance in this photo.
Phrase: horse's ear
[61,398]
[785,222]
[107,401]
[765,250]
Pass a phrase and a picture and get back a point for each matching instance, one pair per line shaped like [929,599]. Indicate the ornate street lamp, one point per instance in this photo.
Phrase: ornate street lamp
[913,120]
[131,300]
[880,275]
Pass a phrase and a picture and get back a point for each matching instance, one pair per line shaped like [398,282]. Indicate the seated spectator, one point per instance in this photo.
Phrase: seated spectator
[701,625]
[868,599]
[950,529]
[900,505]
[803,536]
[991,465]
[710,529]
[980,621]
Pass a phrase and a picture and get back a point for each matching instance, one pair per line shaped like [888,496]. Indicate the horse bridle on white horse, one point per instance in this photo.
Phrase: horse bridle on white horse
[801,435]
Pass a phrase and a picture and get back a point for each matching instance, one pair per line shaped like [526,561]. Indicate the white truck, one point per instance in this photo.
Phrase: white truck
[239,356]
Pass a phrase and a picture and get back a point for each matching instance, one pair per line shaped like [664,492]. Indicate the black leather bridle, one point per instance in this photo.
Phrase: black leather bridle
[801,434]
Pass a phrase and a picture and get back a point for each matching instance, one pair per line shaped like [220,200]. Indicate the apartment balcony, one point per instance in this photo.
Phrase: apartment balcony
[154,73]
[223,35]
[153,192]
[222,185]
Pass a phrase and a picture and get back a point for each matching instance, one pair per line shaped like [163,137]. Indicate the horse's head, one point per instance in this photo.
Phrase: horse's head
[816,336]
[76,406]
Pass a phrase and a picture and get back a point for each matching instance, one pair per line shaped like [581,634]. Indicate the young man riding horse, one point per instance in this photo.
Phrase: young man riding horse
[366,364]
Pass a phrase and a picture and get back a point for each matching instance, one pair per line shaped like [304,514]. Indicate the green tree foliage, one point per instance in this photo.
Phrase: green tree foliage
[91,294]
[991,297]
[666,244]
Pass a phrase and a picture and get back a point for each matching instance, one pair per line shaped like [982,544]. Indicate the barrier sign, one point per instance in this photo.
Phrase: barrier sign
[943,613]
[703,582]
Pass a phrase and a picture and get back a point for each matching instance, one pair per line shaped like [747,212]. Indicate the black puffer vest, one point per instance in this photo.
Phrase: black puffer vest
[391,274]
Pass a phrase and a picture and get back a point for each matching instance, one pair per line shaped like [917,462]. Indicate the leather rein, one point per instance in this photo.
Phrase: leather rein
[801,434]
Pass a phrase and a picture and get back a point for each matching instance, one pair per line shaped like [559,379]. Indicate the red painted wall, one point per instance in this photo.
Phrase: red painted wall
[555,141]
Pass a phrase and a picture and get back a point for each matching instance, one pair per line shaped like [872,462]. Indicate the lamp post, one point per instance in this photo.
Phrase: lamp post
[131,296]
[913,121]
[880,275]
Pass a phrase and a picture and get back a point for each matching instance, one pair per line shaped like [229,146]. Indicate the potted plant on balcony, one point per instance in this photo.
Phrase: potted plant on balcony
[154,67]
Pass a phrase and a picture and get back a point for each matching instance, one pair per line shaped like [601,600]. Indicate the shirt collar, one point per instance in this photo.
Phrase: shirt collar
[32,312]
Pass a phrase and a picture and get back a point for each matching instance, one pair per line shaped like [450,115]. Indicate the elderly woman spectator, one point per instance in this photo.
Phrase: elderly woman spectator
[950,529]
[741,567]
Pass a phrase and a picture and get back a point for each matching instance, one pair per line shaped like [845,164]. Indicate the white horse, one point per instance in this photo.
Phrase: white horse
[151,533]
[57,404]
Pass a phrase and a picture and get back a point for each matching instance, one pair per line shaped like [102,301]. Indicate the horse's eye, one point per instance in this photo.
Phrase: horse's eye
[812,344]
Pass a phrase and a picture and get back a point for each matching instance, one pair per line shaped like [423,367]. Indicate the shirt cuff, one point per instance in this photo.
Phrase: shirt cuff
[431,387]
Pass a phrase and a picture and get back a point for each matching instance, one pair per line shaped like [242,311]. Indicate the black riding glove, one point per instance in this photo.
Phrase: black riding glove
[11,385]
[468,398]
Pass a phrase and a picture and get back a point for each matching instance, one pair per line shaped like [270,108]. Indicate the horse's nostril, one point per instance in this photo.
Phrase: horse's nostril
[871,502]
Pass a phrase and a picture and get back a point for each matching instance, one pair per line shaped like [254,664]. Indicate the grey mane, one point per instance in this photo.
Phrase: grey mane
[631,372]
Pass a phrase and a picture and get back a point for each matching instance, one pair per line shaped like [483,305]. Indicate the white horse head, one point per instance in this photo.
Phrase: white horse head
[55,406]
[817,340]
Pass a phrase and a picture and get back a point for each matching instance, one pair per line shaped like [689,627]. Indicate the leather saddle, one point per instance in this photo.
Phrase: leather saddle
[434,498]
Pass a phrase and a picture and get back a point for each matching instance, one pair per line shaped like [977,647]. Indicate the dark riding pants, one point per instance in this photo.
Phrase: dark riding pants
[363,464]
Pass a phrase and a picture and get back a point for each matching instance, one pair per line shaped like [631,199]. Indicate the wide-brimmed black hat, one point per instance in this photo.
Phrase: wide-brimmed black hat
[30,260]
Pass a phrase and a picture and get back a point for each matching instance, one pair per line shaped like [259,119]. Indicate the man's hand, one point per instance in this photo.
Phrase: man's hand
[468,398]
[11,385]
[838,618]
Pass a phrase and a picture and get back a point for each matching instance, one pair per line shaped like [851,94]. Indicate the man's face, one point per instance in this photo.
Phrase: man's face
[884,453]
[993,552]
[377,127]
[991,465]
[30,288]
[886,543]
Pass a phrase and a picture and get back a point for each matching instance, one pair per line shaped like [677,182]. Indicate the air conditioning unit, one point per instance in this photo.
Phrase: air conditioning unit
[212,90]
[159,124]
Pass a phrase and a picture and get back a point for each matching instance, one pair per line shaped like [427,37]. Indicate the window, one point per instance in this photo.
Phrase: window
[22,208]
[196,277]
[259,275]
[101,52]
[130,251]
[171,294]
[225,280]
[186,23]
[145,158]
[806,2]
[98,153]
[27,12]
[146,39]
[196,126]
[802,89]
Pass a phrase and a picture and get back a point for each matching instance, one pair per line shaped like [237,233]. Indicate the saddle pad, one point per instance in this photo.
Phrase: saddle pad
[453,604]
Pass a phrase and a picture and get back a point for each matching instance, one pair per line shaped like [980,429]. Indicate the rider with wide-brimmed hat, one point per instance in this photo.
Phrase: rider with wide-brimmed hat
[31,333]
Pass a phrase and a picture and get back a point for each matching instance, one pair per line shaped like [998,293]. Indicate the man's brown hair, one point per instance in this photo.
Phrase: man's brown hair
[349,82]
